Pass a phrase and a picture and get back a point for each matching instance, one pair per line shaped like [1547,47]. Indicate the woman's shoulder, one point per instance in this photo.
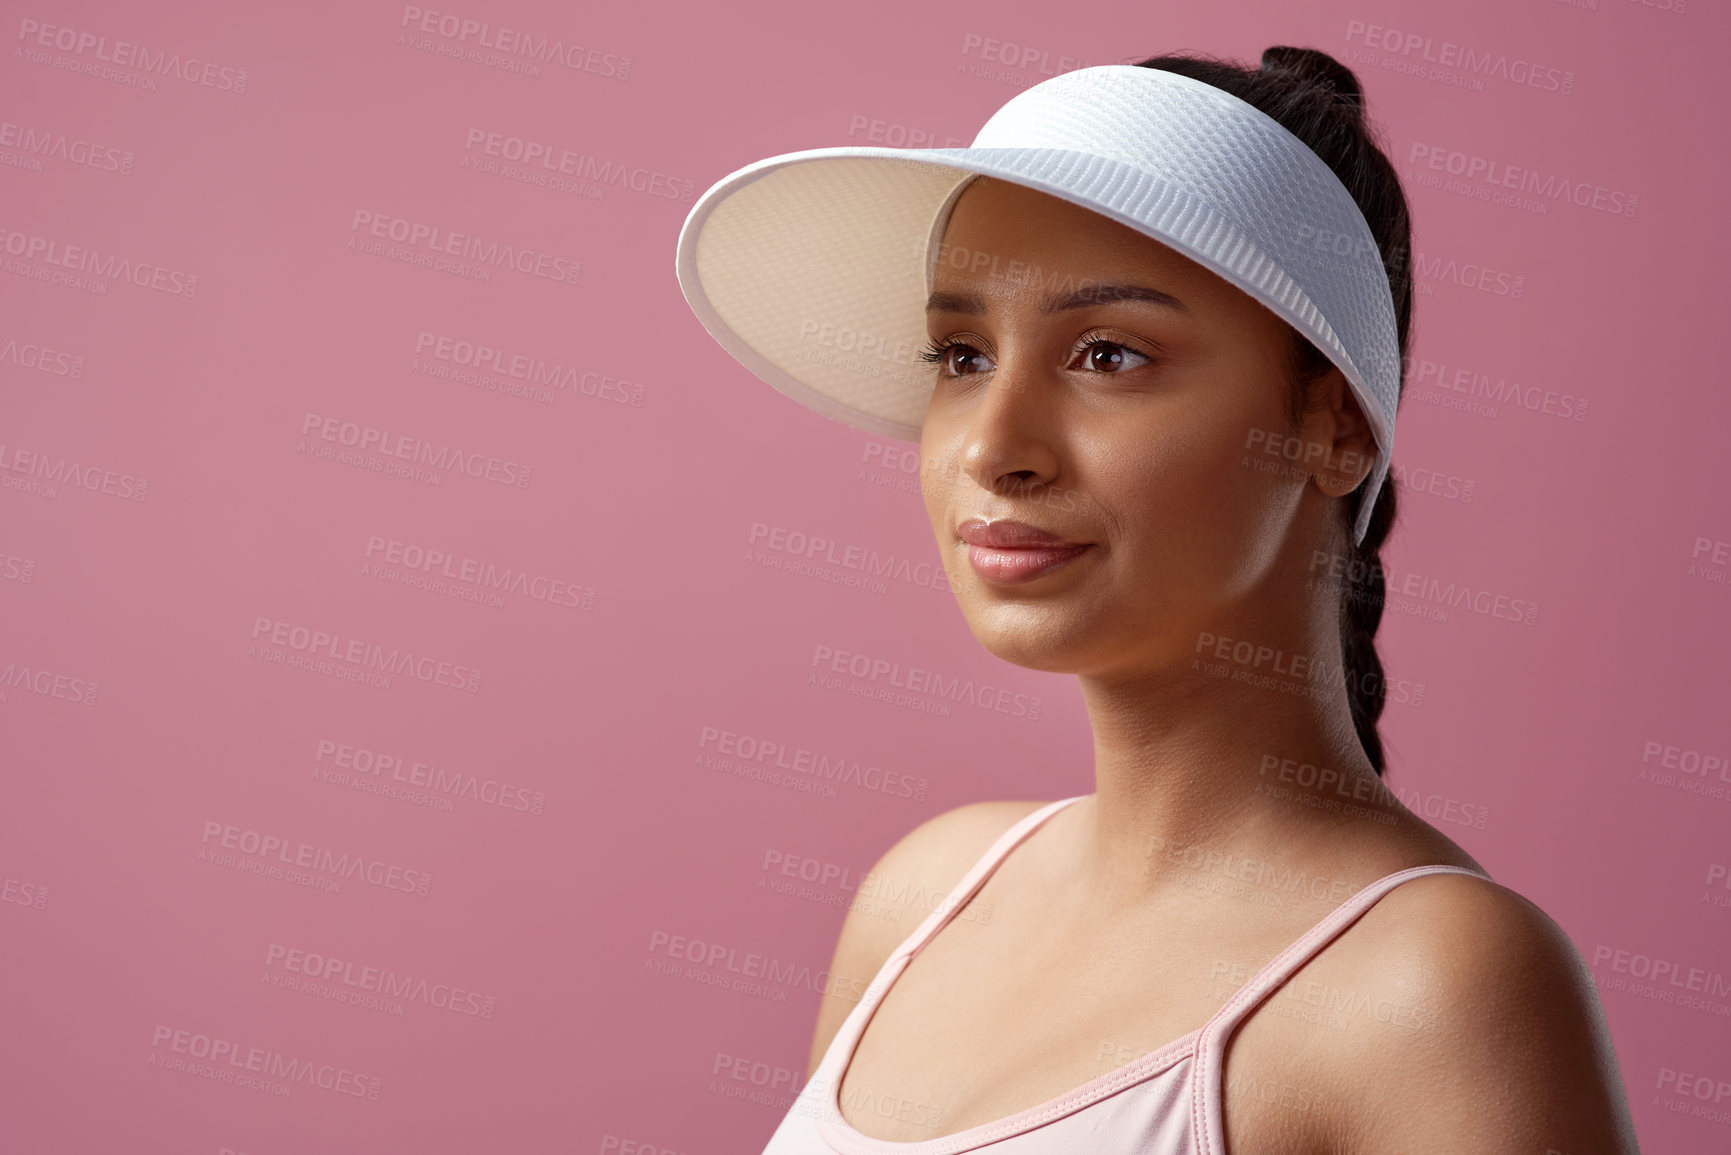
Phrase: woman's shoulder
[961,834]
[1503,1034]
[926,863]
[908,880]
[1453,931]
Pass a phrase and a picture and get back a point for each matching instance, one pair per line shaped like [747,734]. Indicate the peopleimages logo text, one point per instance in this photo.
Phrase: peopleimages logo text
[435,239]
[262,1061]
[125,54]
[310,856]
[370,655]
[466,31]
[51,251]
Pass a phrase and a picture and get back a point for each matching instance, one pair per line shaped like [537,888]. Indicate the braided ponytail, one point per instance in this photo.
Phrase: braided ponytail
[1319,100]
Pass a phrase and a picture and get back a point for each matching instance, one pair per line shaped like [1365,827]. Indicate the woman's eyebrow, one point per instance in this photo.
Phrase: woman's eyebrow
[969,302]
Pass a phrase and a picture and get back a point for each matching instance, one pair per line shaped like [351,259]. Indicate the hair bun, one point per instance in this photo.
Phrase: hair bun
[1314,66]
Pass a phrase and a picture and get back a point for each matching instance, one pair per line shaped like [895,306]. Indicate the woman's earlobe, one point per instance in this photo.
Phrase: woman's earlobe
[1337,485]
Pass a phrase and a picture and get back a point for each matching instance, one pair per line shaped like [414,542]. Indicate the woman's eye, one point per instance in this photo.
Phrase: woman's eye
[1110,357]
[955,359]
[963,359]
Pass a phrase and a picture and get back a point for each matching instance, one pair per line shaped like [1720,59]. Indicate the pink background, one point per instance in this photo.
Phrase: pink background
[573,901]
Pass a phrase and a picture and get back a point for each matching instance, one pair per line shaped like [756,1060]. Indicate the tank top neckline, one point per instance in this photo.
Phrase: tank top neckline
[1205,1044]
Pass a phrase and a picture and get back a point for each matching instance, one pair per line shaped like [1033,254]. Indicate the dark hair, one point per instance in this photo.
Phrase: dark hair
[1318,100]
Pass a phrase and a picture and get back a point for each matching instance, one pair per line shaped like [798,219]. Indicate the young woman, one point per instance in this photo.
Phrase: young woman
[1147,463]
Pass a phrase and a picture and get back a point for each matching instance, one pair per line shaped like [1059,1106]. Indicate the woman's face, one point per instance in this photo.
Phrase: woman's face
[1132,426]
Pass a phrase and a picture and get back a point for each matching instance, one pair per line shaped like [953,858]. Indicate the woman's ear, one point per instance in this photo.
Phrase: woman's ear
[1336,421]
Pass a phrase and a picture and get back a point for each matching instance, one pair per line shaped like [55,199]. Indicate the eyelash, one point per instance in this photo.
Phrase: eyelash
[937,352]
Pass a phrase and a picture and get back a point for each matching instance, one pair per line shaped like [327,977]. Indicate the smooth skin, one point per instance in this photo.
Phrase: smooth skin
[1454,1016]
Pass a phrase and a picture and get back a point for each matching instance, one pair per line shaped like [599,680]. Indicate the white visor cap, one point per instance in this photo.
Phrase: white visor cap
[812,268]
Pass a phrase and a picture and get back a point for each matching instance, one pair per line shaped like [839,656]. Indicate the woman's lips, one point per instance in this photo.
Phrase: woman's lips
[1007,551]
[1010,566]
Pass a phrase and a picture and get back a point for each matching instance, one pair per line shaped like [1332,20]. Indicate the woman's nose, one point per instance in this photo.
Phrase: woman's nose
[1012,423]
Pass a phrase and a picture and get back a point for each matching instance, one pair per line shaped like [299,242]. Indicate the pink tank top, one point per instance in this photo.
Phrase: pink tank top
[1168,1102]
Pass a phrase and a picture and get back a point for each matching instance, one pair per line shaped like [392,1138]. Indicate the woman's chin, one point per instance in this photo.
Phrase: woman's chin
[1048,646]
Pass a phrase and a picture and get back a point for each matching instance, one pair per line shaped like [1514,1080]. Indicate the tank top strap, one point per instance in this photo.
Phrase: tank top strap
[968,885]
[841,1047]
[959,896]
[982,869]
[1207,1105]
